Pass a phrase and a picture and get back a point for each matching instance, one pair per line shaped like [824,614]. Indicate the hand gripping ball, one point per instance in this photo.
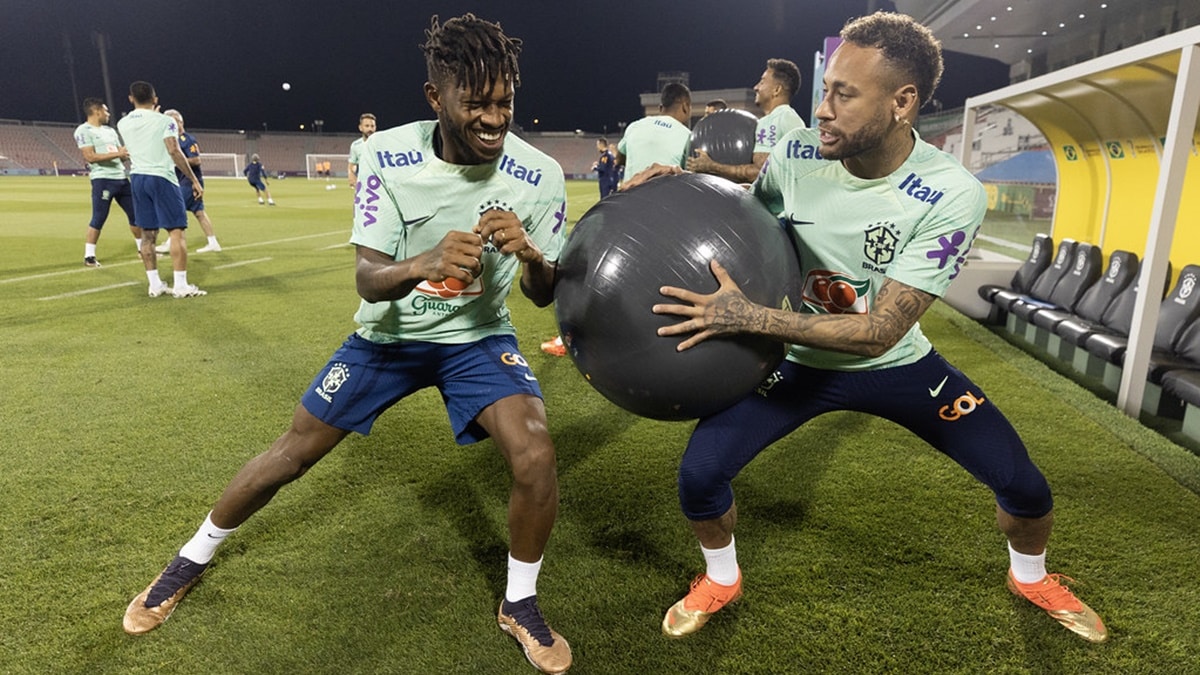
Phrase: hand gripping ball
[727,136]
[664,233]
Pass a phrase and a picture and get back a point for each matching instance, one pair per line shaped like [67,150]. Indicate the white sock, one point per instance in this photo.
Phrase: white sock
[89,250]
[201,547]
[155,281]
[1027,569]
[181,279]
[212,241]
[522,579]
[138,243]
[722,563]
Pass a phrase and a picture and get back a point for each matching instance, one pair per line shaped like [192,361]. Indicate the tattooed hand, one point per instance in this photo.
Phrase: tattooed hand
[725,312]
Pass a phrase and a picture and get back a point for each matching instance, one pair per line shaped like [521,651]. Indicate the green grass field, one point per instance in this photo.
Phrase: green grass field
[863,550]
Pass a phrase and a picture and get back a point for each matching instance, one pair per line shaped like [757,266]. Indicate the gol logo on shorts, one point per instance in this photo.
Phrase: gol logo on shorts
[511,359]
[963,405]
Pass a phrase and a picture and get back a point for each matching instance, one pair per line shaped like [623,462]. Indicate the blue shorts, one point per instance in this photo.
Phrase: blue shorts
[363,378]
[157,203]
[105,191]
[190,203]
[931,398]
[257,183]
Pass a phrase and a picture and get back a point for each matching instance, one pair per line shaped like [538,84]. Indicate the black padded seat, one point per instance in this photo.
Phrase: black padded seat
[1041,251]
[1116,320]
[1084,272]
[1183,385]
[1121,270]
[1176,313]
[1184,355]
[1046,281]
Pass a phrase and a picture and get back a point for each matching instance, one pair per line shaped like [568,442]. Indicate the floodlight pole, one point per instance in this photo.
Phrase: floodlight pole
[101,41]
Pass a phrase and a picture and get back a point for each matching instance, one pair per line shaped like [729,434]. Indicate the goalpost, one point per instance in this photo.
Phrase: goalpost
[221,164]
[326,166]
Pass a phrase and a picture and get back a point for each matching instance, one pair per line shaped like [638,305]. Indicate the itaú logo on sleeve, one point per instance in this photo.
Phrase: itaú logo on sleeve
[963,405]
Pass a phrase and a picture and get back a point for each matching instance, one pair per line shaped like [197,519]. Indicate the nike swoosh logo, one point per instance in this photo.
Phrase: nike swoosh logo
[530,377]
[938,389]
[800,222]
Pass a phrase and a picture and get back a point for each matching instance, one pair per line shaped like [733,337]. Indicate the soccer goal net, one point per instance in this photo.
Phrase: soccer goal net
[221,164]
[326,166]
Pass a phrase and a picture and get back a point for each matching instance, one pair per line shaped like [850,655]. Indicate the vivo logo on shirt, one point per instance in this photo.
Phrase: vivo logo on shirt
[509,166]
[913,187]
[399,158]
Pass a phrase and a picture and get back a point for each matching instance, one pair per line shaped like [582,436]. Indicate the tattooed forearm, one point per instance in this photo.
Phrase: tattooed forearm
[897,307]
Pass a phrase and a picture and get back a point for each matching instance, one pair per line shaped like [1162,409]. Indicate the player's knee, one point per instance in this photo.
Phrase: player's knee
[1027,495]
[703,495]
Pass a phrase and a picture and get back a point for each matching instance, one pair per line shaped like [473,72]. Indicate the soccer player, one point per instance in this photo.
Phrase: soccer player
[890,218]
[448,213]
[191,150]
[773,93]
[606,168]
[366,127]
[104,154]
[153,142]
[714,105]
[659,139]
[256,175]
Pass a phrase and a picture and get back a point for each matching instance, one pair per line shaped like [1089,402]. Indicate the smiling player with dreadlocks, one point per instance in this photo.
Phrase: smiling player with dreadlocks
[447,214]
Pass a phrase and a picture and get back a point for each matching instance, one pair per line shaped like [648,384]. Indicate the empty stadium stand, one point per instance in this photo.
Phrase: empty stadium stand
[47,147]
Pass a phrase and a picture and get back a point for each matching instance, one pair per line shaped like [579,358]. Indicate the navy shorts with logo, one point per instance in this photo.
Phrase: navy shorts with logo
[105,191]
[190,203]
[364,378]
[157,203]
[931,398]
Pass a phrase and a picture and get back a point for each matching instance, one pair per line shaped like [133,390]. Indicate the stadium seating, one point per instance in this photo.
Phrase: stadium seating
[1089,310]
[1083,273]
[1184,384]
[1040,291]
[1176,313]
[1040,252]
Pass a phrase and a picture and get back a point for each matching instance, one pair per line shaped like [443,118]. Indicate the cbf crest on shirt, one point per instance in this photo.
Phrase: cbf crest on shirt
[407,199]
[914,225]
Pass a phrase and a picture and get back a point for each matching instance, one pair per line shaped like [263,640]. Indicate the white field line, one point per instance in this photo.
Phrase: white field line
[34,277]
[243,262]
[85,291]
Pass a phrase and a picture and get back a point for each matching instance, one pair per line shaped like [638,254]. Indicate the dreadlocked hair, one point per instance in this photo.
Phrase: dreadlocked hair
[472,51]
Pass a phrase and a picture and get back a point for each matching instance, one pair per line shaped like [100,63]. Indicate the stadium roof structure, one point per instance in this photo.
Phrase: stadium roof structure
[1032,167]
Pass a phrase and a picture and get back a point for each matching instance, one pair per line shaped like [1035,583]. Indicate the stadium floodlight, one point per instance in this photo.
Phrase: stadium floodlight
[326,166]
[221,164]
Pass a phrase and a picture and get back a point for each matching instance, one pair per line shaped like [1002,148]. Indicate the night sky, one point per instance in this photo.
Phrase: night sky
[583,65]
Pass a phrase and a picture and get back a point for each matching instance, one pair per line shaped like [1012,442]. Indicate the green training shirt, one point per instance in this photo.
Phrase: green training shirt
[774,126]
[407,199]
[144,132]
[658,139]
[356,150]
[102,139]
[914,226]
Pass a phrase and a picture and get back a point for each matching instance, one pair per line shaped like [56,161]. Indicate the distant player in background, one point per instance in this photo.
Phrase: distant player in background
[191,150]
[773,93]
[153,142]
[366,127]
[606,168]
[715,105]
[102,150]
[664,138]
[482,227]
[256,175]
